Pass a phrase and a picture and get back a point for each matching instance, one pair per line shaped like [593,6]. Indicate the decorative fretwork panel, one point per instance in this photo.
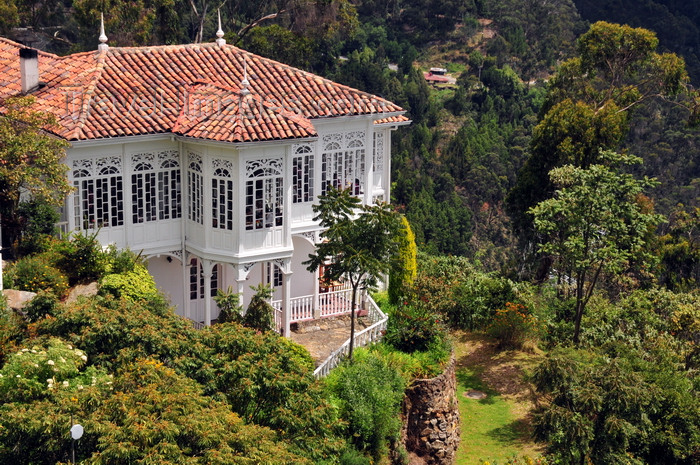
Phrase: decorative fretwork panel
[343,162]
[195,187]
[222,195]
[303,174]
[264,193]
[378,152]
[99,193]
[155,186]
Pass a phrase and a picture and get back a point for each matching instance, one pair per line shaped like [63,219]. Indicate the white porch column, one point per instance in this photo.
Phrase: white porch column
[186,285]
[242,270]
[207,273]
[317,303]
[286,296]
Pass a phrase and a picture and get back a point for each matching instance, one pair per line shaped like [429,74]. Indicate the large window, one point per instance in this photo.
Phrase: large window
[99,196]
[264,193]
[222,195]
[155,186]
[196,286]
[343,162]
[303,174]
[274,275]
[195,186]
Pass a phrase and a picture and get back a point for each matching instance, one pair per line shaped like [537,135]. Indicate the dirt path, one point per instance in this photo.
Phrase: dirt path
[501,373]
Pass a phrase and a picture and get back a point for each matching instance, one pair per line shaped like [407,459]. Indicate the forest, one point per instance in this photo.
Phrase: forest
[553,191]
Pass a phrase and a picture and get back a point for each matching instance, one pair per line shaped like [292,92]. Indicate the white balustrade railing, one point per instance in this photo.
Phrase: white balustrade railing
[374,333]
[335,302]
[62,227]
[196,324]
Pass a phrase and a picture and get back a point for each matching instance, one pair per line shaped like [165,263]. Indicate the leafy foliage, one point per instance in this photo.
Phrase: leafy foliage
[453,287]
[260,314]
[39,220]
[229,306]
[35,274]
[512,326]
[135,285]
[615,70]
[413,328]
[595,224]
[401,278]
[369,394]
[616,408]
[361,243]
[80,257]
[31,163]
[43,304]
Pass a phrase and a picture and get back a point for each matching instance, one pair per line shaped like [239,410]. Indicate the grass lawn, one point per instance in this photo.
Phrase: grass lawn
[497,427]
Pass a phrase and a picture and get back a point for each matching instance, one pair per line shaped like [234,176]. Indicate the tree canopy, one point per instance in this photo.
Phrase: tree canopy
[30,163]
[594,224]
[360,243]
[616,68]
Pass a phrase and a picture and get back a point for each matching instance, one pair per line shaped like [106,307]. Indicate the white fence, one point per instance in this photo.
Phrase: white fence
[368,335]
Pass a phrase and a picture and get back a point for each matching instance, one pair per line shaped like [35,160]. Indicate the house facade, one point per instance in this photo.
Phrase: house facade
[208,159]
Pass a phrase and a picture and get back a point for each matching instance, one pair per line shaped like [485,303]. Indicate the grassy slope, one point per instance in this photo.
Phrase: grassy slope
[497,427]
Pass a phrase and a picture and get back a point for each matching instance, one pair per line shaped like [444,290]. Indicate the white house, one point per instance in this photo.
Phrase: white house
[208,159]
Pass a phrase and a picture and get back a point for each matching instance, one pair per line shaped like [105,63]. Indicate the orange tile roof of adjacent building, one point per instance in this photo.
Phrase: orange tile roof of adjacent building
[151,90]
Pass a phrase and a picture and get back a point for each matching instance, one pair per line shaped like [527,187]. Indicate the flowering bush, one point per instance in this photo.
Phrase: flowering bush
[513,325]
[413,328]
[38,372]
[34,274]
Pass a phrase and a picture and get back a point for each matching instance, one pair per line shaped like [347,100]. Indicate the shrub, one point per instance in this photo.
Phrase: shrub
[512,326]
[34,274]
[229,306]
[369,394]
[134,285]
[260,314]
[40,220]
[80,257]
[352,456]
[43,304]
[413,328]
[121,260]
[453,287]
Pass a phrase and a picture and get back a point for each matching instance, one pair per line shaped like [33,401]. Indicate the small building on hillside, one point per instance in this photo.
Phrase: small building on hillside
[208,159]
[437,76]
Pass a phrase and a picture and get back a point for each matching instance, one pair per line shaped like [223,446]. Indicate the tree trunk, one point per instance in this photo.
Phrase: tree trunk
[352,320]
[579,308]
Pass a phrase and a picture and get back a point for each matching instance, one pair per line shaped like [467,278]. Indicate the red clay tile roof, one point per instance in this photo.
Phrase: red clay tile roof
[391,120]
[149,90]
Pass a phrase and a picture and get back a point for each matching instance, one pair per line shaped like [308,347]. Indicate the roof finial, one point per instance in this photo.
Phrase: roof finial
[103,37]
[245,83]
[220,41]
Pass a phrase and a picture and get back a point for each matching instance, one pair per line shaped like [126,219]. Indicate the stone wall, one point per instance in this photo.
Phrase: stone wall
[431,429]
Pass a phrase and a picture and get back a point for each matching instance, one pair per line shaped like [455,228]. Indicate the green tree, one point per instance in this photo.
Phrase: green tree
[622,406]
[405,273]
[30,163]
[8,16]
[360,243]
[590,96]
[594,224]
[229,306]
[259,314]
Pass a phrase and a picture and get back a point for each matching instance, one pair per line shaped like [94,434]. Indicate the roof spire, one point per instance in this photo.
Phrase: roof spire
[103,37]
[245,83]
[220,41]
